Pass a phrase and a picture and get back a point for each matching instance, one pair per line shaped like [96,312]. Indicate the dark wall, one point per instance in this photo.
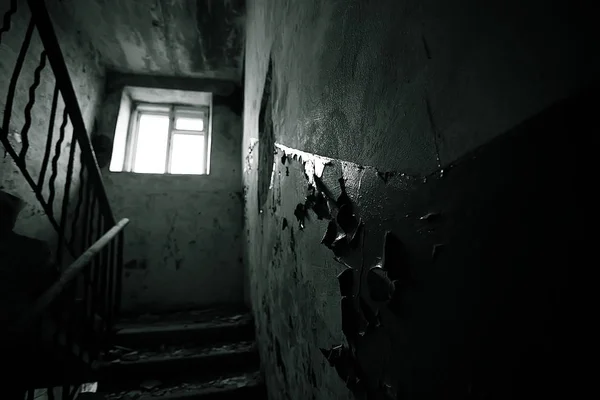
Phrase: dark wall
[183,246]
[448,125]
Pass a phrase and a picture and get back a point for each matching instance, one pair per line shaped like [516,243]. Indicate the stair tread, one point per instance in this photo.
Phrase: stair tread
[197,328]
[155,389]
[178,352]
[193,317]
[162,326]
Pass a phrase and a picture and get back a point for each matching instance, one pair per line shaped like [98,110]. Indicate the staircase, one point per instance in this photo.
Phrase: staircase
[73,332]
[204,354]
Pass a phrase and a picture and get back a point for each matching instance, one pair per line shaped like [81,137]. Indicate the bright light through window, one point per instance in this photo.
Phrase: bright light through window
[164,139]
[152,141]
[189,124]
[187,154]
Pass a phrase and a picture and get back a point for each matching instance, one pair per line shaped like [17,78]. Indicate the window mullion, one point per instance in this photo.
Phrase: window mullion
[170,140]
[184,132]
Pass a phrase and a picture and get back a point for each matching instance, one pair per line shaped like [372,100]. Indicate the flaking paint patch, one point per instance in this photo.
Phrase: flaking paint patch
[354,174]
[365,62]
[314,165]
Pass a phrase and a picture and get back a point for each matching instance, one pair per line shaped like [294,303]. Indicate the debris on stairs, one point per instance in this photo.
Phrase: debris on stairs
[206,354]
[185,327]
[245,385]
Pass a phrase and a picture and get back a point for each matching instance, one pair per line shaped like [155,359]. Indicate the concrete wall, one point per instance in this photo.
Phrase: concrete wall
[184,243]
[202,38]
[87,77]
[412,88]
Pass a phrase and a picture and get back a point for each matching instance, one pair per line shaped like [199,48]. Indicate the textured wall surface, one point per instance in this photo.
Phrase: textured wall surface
[184,243]
[413,88]
[372,72]
[202,38]
[87,77]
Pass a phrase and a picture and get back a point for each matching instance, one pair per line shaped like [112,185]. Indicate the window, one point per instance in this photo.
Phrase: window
[167,139]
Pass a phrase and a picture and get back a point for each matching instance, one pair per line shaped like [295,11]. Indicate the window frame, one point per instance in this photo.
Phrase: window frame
[172,111]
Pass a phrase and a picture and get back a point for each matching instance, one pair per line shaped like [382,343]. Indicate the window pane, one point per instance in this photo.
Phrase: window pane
[151,150]
[189,124]
[187,155]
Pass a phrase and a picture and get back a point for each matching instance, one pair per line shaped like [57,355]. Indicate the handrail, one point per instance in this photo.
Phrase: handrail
[76,313]
[43,23]
[77,267]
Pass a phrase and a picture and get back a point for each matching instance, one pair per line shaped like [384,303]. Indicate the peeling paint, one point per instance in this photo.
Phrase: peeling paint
[314,165]
[354,84]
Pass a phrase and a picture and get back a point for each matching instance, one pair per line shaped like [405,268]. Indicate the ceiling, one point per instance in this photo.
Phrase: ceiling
[186,38]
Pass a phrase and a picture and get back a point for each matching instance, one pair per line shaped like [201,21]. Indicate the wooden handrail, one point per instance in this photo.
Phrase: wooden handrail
[43,23]
[67,276]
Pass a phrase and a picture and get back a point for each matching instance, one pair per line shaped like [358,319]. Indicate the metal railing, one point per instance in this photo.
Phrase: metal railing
[76,315]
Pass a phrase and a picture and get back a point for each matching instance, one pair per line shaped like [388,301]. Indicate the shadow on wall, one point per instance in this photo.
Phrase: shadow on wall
[266,140]
[27,266]
[449,286]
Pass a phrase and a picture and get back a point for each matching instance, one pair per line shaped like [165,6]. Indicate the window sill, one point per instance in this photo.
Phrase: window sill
[151,174]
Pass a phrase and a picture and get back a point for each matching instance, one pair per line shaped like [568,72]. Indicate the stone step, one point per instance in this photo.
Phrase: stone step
[198,327]
[249,385]
[176,362]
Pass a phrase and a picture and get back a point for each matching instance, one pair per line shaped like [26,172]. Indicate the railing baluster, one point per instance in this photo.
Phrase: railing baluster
[80,200]
[96,271]
[62,235]
[91,270]
[104,291]
[70,318]
[119,278]
[15,77]
[46,158]
[6,21]
[74,308]
[110,297]
[85,241]
[102,274]
[82,309]
[36,82]
[90,218]
[87,185]
[57,148]
[87,304]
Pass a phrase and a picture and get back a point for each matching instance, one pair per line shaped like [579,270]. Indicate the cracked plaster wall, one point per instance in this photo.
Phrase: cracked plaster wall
[183,246]
[87,77]
[199,38]
[414,87]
